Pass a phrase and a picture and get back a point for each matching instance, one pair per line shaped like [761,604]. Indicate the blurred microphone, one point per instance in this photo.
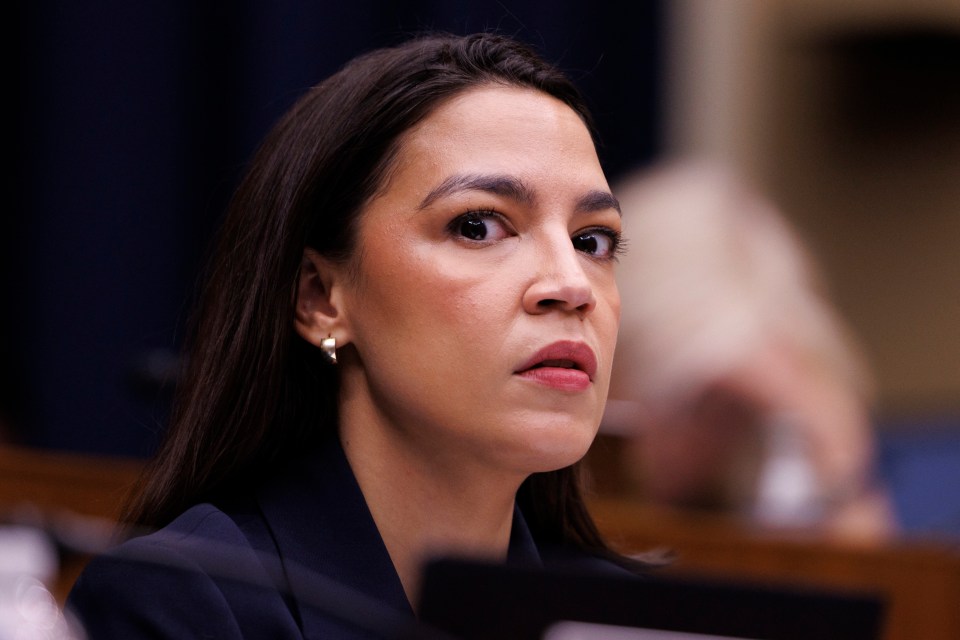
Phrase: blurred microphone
[29,563]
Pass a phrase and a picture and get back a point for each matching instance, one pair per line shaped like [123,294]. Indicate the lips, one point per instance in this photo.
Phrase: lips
[564,363]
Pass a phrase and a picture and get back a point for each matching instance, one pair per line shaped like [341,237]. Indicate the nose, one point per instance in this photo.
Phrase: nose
[559,280]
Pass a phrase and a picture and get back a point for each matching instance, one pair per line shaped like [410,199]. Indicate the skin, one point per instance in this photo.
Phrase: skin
[442,308]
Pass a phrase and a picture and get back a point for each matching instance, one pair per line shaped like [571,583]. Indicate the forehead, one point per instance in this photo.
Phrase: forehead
[492,107]
[491,100]
[496,128]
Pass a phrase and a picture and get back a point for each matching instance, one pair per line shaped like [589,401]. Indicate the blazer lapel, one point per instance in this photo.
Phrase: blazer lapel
[342,580]
[337,566]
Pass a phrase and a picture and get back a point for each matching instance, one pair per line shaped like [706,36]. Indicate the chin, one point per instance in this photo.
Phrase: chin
[559,450]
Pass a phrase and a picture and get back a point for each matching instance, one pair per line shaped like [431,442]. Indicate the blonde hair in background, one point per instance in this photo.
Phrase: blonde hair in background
[713,271]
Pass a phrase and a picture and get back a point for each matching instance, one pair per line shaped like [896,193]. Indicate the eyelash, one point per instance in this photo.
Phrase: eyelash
[454,227]
[617,243]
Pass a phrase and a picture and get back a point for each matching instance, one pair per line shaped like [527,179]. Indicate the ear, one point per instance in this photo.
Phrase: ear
[318,312]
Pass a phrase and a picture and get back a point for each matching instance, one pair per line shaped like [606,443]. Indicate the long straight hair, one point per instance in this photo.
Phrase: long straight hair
[253,393]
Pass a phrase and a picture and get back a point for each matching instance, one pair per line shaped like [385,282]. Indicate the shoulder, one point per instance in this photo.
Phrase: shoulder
[601,562]
[206,574]
[224,546]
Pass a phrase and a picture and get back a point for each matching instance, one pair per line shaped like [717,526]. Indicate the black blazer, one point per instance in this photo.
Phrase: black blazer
[302,558]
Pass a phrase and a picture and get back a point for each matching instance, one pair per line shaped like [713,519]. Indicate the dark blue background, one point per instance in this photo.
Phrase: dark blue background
[133,122]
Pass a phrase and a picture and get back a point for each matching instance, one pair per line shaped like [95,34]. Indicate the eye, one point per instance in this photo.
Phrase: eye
[479,226]
[599,242]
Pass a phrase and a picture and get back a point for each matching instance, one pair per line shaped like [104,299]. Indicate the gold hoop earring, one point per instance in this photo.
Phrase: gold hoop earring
[329,347]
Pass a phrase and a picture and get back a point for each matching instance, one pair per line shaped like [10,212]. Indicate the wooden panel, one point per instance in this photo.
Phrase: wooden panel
[89,485]
[78,495]
[919,579]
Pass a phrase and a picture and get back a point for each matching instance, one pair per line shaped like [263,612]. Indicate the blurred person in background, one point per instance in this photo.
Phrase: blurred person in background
[738,384]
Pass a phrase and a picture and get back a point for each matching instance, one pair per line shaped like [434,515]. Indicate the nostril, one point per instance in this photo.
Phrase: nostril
[581,310]
[545,294]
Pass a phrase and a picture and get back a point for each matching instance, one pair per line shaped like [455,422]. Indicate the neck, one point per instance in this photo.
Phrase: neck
[427,504]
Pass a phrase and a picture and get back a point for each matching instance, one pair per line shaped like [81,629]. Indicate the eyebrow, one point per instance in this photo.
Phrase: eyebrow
[514,189]
[596,200]
[501,185]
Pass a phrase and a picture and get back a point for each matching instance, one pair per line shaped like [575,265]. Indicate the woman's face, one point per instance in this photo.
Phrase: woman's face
[482,311]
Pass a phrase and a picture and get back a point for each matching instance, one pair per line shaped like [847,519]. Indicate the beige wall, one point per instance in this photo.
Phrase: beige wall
[861,149]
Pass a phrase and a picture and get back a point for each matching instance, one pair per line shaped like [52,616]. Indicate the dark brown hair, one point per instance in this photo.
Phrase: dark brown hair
[253,393]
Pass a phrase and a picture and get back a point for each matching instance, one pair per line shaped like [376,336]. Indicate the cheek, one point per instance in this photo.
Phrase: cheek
[468,317]
[613,302]
[608,298]
[614,297]
[456,290]
[423,295]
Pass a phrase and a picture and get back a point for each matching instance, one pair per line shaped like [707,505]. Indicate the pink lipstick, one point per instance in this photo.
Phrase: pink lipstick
[565,365]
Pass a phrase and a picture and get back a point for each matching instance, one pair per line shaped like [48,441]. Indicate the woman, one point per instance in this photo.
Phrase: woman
[402,349]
